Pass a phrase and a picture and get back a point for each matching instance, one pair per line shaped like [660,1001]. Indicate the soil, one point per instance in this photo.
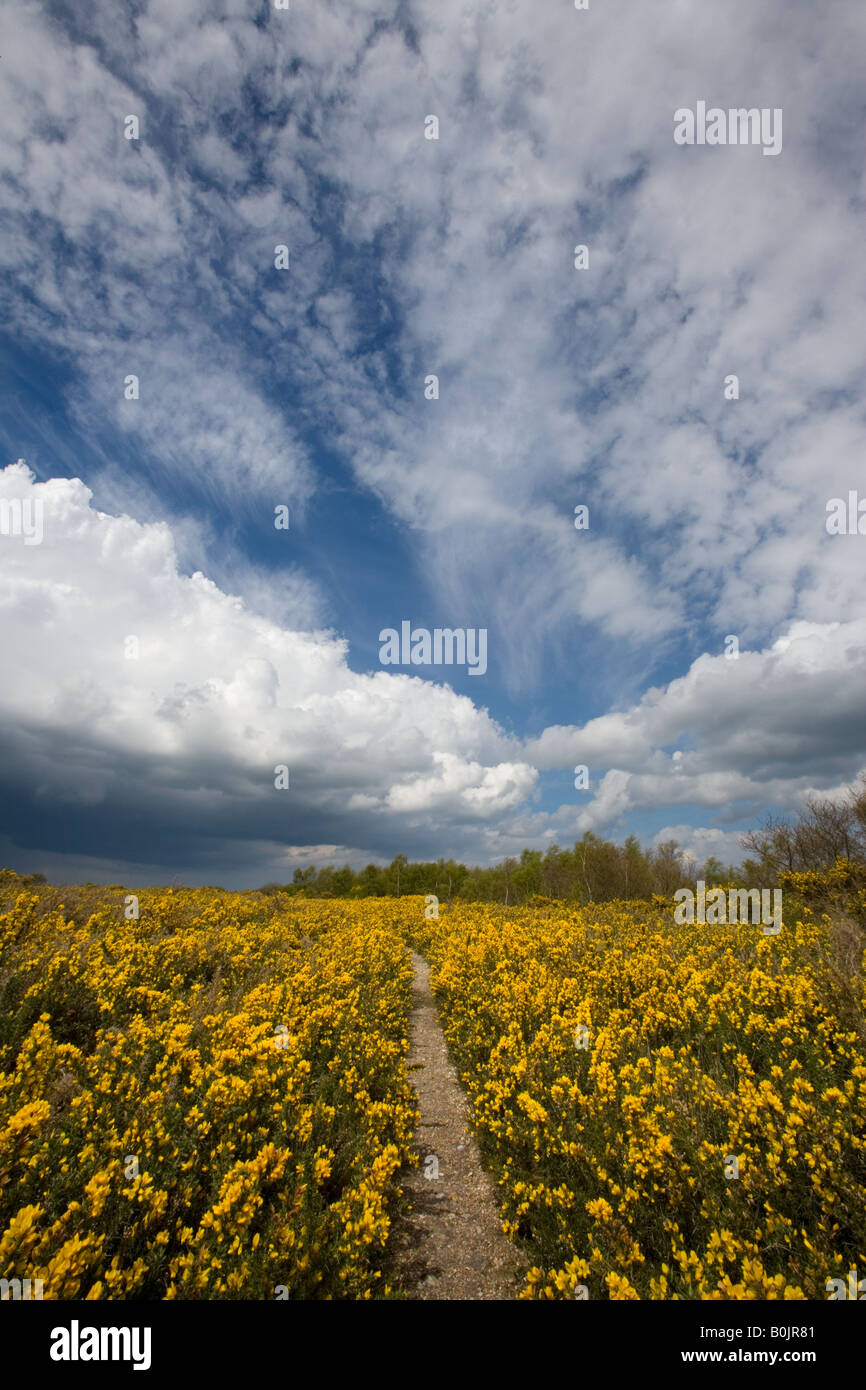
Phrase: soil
[451,1245]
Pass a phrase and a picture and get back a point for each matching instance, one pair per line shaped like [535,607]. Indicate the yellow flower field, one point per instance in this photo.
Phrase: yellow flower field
[673,1112]
[212,1101]
[208,1102]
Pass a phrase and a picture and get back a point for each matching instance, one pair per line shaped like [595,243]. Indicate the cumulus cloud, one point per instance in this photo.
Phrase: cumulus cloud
[162,702]
[737,733]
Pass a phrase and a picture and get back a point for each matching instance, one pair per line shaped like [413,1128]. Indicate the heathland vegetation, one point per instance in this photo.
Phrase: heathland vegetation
[212,1099]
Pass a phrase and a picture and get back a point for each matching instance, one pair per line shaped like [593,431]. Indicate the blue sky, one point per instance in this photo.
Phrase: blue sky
[306,387]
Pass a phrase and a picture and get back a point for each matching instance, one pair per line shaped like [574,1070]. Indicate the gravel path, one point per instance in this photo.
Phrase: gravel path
[451,1246]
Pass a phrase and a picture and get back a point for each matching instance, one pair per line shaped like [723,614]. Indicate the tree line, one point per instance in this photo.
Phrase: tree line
[595,870]
[598,870]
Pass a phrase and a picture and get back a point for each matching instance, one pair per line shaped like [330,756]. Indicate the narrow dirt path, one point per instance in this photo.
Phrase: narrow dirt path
[451,1246]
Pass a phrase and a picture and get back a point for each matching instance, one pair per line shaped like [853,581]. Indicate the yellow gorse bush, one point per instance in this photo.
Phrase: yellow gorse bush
[617,1063]
[209,1102]
[213,1101]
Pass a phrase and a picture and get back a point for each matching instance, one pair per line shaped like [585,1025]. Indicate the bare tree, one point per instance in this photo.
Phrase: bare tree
[824,831]
[509,867]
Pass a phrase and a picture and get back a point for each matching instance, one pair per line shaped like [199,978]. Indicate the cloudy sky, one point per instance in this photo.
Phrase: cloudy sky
[166,647]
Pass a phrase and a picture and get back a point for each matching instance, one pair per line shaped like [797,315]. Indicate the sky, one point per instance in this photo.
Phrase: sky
[190,690]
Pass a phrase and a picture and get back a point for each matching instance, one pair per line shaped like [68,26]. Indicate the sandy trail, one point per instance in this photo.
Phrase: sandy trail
[452,1245]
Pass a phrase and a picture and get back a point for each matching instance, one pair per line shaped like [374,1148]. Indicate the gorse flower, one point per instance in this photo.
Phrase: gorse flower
[213,1101]
[155,1142]
[616,1062]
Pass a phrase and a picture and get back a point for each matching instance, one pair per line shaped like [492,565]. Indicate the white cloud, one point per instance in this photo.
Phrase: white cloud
[699,842]
[216,698]
[689,281]
[770,726]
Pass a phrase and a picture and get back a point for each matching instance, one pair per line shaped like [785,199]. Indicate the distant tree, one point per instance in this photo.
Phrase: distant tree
[325,882]
[508,873]
[370,880]
[667,867]
[714,871]
[343,880]
[637,871]
[527,876]
[398,865]
[583,851]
